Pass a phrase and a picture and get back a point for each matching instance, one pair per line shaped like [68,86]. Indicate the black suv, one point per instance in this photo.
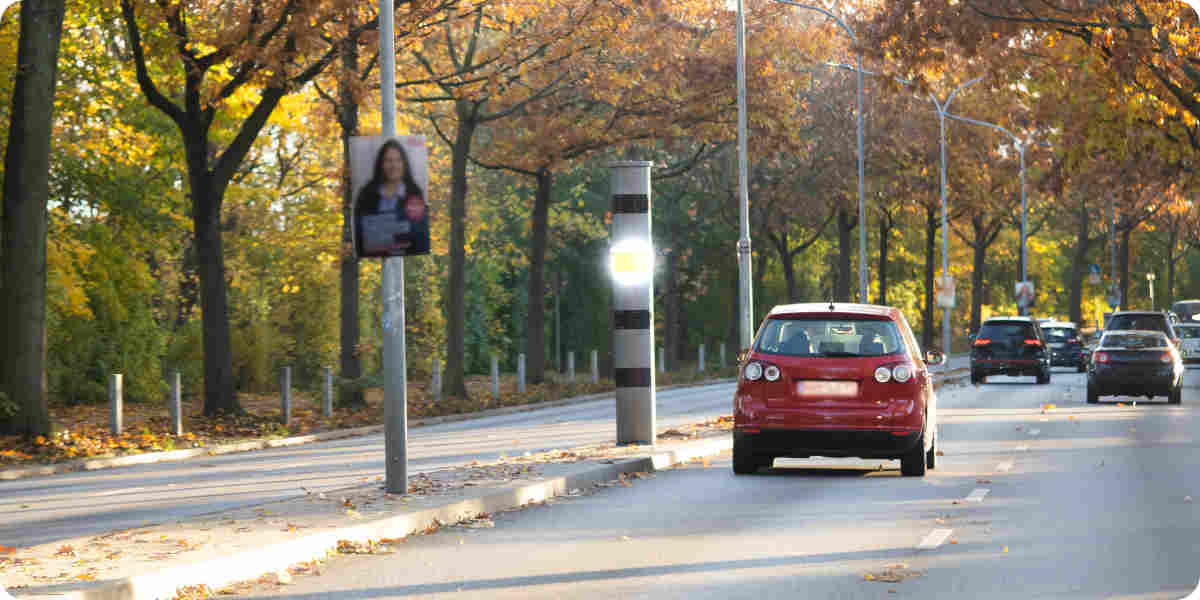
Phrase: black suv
[1143,320]
[1010,346]
[1066,348]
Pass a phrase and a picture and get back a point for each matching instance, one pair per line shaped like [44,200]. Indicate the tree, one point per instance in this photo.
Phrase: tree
[26,193]
[224,83]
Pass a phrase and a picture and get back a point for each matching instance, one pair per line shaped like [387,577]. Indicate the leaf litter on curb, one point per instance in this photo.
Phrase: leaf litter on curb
[894,573]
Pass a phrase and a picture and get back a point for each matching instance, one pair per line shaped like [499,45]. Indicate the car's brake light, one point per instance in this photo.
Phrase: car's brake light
[982,342]
[1033,342]
[1101,357]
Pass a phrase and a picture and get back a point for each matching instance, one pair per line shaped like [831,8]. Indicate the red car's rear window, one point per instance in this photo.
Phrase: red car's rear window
[829,338]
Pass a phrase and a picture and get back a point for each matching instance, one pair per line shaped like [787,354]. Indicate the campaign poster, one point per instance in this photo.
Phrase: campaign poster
[390,180]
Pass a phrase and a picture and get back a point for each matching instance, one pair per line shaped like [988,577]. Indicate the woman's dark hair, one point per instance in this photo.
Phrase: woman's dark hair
[410,184]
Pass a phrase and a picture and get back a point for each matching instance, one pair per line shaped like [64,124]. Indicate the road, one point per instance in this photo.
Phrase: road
[45,509]
[1088,501]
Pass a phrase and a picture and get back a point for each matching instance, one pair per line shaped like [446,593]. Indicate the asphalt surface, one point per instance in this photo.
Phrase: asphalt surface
[45,509]
[1087,501]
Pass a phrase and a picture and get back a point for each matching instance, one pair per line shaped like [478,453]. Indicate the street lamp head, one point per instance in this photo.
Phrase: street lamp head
[1150,276]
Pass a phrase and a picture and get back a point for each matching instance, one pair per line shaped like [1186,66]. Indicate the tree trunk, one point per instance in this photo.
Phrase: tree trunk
[23,246]
[841,290]
[885,227]
[455,383]
[535,340]
[1079,265]
[350,366]
[1123,250]
[671,304]
[979,266]
[219,390]
[1173,241]
[931,228]
[785,261]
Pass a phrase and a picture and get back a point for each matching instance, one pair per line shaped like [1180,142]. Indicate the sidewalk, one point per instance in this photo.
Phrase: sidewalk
[221,549]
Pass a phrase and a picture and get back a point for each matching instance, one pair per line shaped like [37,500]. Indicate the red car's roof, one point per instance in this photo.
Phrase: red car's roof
[840,309]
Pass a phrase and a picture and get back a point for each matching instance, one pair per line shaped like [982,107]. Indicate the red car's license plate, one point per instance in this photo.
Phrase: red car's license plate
[827,388]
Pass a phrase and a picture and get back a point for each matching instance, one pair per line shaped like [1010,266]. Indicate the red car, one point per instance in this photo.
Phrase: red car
[838,380]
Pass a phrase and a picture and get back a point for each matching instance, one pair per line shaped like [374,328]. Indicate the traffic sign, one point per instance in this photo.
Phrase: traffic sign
[944,292]
[1024,290]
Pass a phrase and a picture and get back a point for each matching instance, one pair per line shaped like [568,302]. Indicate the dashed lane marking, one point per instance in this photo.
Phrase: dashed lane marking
[1005,466]
[977,495]
[935,538]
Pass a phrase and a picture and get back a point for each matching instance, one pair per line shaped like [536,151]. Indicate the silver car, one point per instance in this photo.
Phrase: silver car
[1189,341]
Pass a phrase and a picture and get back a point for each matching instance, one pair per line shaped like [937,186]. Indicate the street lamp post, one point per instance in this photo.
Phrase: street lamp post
[1150,279]
[862,203]
[942,110]
[745,284]
[1024,210]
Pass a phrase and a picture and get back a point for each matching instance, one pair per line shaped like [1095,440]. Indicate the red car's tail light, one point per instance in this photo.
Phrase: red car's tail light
[883,374]
[982,342]
[753,371]
[902,373]
[1101,357]
[771,373]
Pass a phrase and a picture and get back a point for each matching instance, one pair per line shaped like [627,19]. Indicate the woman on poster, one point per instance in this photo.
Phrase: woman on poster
[391,192]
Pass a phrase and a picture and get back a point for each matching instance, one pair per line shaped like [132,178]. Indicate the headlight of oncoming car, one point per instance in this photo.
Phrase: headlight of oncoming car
[754,371]
[902,373]
[883,374]
[771,373]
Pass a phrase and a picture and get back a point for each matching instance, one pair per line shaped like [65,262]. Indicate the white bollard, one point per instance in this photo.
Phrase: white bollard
[327,403]
[633,303]
[176,401]
[595,366]
[495,377]
[285,395]
[436,384]
[116,402]
[662,360]
[701,364]
[571,366]
[521,373]
[723,363]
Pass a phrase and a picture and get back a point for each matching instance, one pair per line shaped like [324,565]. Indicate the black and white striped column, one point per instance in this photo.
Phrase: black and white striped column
[633,302]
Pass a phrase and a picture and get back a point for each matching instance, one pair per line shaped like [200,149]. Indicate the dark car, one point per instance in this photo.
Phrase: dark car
[1135,363]
[838,380]
[1012,346]
[1187,310]
[1066,346]
[1189,336]
[1143,320]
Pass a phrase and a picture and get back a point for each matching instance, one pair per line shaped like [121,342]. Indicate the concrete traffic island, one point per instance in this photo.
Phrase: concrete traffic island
[217,550]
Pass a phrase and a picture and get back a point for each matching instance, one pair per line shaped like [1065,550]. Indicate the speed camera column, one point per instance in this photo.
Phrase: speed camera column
[632,266]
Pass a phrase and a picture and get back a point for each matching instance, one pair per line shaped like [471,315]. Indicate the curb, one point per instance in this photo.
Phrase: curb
[95,464]
[246,566]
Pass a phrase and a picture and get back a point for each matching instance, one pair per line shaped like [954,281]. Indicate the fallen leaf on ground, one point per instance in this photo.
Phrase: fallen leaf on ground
[1006,549]
[940,453]
[65,551]
[1187,499]
[983,481]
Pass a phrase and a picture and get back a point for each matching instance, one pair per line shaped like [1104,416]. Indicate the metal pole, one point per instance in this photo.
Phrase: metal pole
[116,403]
[945,234]
[495,377]
[285,396]
[862,203]
[745,290]
[521,373]
[327,399]
[395,384]
[1024,250]
[1116,290]
[176,403]
[558,322]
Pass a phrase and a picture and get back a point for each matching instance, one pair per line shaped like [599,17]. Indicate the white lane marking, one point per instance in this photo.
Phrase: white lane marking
[977,495]
[120,491]
[1034,431]
[1005,466]
[1022,448]
[934,539]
